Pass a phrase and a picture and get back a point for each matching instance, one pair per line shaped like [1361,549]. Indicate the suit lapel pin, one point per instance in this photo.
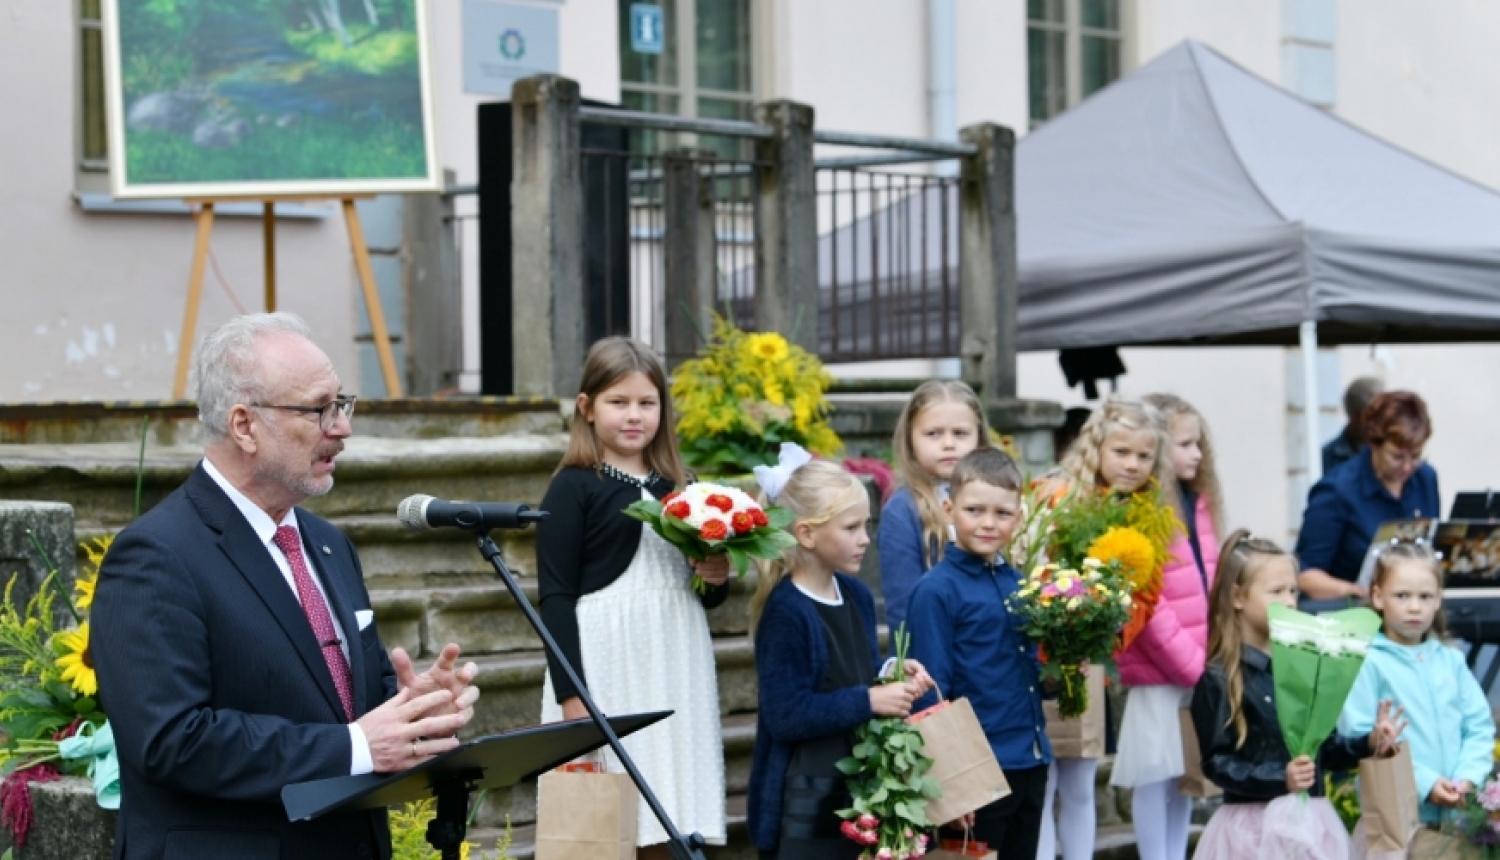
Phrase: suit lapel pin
[326,550]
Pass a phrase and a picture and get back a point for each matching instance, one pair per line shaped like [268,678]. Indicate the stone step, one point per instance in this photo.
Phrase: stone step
[511,685]
[176,422]
[483,618]
[518,804]
[374,474]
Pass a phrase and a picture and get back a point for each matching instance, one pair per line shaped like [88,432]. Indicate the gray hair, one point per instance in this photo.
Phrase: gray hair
[226,371]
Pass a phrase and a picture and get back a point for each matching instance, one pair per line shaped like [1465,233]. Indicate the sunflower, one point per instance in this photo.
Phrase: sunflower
[83,590]
[1131,549]
[767,346]
[76,662]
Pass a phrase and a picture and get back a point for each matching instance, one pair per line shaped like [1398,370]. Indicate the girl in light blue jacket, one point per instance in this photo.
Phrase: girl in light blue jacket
[1451,731]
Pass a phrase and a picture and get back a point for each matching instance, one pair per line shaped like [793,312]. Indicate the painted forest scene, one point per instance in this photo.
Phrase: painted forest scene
[231,91]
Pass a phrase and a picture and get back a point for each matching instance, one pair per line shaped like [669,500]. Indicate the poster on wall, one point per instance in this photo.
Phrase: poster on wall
[268,98]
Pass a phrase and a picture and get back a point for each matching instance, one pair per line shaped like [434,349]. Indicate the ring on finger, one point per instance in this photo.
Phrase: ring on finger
[413,749]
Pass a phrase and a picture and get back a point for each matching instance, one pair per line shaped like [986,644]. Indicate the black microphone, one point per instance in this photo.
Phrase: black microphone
[426,512]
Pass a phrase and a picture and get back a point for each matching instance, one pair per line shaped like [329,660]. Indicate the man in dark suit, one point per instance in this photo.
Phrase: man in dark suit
[233,635]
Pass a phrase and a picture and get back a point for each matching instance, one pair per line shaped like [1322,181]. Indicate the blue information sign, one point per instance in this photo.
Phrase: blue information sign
[647,28]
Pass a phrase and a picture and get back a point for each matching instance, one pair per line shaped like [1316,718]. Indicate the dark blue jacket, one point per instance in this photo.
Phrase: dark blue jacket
[971,644]
[1346,507]
[902,559]
[791,659]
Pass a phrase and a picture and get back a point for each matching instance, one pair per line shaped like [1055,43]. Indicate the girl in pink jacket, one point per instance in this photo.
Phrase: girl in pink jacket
[1163,663]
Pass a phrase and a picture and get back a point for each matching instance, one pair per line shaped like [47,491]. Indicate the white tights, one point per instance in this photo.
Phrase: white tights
[1161,814]
[1071,780]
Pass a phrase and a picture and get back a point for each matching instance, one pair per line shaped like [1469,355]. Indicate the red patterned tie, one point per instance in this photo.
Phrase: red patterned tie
[290,543]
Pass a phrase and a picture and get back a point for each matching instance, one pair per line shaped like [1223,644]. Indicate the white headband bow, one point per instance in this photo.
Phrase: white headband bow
[772,479]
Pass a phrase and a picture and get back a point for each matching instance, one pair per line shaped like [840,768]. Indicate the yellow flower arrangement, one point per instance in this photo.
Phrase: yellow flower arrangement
[744,395]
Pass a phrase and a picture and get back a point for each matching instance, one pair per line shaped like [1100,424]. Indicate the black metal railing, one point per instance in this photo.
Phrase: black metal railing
[888,254]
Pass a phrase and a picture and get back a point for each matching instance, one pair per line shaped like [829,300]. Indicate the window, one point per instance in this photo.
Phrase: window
[703,69]
[1073,49]
[93,141]
[1308,56]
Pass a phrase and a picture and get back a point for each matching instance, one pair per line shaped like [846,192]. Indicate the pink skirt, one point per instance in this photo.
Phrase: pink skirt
[1303,830]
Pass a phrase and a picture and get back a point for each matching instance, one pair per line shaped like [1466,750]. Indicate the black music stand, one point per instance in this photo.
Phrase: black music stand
[498,761]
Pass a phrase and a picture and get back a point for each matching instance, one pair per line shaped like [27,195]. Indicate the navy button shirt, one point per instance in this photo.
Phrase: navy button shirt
[1346,507]
[966,637]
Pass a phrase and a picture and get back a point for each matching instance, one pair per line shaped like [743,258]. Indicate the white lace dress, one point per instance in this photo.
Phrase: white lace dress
[645,647]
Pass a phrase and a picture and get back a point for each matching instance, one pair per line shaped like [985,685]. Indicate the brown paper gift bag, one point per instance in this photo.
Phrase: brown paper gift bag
[962,761]
[1082,737]
[1431,845]
[1388,801]
[1193,783]
[586,816]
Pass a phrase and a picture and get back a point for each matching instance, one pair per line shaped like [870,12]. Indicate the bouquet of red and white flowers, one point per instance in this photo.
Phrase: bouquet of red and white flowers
[706,519]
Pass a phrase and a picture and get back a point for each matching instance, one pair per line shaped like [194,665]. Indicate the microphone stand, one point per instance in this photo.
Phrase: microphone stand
[689,848]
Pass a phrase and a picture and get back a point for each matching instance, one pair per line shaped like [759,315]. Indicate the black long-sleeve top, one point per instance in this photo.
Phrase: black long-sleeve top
[582,547]
[1256,772]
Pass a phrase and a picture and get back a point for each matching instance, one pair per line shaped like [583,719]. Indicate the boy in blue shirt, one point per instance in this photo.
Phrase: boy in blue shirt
[973,647]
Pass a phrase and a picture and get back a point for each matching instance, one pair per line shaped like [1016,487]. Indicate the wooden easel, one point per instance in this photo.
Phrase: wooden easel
[268,217]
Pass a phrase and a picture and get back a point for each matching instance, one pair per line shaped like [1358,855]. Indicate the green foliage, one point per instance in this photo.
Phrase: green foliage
[318,148]
[887,774]
[35,700]
[409,835]
[374,52]
[1343,793]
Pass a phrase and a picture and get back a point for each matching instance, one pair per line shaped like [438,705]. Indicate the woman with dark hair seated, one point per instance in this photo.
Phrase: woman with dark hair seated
[1388,480]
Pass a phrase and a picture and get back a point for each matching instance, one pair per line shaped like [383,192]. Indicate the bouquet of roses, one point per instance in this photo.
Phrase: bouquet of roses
[1076,615]
[888,781]
[706,519]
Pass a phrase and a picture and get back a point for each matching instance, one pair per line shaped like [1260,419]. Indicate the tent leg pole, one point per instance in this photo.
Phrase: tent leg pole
[1310,406]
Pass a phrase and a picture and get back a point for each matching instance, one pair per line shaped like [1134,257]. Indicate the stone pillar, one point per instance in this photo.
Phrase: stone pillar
[786,225]
[52,525]
[691,249]
[434,314]
[988,280]
[547,269]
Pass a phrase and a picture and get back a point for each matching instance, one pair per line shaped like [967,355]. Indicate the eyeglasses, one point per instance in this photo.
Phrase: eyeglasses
[327,413]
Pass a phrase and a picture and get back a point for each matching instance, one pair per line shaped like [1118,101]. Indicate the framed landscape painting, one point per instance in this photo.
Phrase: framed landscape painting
[268,98]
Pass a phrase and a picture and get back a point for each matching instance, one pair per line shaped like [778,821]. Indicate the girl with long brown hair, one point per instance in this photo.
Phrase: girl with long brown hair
[941,423]
[618,597]
[1234,713]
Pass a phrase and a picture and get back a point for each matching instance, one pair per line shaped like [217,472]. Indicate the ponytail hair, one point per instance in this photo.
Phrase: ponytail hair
[816,493]
[1239,559]
[1421,553]
[923,488]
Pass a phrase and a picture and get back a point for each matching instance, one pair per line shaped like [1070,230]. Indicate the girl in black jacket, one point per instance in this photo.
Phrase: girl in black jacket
[1234,714]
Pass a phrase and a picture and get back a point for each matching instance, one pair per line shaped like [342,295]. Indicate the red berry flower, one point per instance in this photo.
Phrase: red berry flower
[759,517]
[678,509]
[720,501]
[714,530]
[743,522]
[670,498]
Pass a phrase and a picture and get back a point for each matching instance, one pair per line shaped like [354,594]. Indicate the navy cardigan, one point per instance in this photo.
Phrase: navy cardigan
[791,659]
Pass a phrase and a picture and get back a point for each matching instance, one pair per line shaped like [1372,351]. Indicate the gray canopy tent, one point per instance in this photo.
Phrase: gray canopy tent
[1192,202]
